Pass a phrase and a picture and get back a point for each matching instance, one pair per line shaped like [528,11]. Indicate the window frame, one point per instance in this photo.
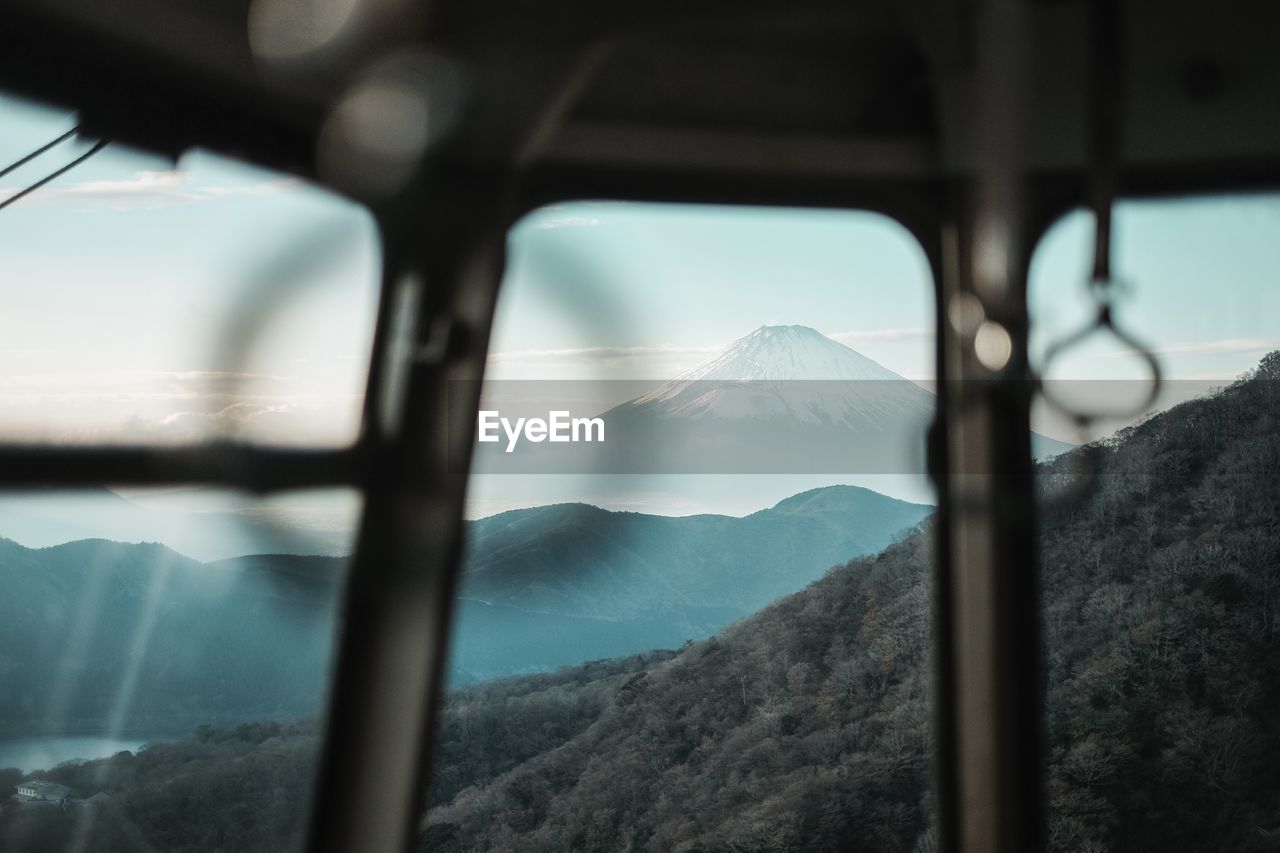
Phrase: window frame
[398,602]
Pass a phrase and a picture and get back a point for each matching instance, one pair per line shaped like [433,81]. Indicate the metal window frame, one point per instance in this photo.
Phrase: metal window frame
[392,650]
[389,668]
[394,628]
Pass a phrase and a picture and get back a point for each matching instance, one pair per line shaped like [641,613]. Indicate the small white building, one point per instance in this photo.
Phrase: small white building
[40,791]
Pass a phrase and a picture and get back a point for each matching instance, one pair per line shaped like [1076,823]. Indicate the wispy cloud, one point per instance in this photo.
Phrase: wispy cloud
[66,405]
[1255,346]
[286,419]
[661,360]
[598,354]
[648,362]
[567,222]
[881,335]
[228,419]
[148,190]
[183,382]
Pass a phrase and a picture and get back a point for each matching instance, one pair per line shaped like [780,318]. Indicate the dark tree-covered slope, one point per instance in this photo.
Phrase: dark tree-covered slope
[1162,616]
[580,560]
[802,728]
[97,634]
[560,584]
[806,726]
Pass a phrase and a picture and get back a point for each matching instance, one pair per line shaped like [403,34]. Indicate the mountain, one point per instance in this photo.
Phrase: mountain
[582,582]
[205,524]
[792,373]
[781,405]
[797,375]
[807,726]
[780,400]
[97,635]
[579,560]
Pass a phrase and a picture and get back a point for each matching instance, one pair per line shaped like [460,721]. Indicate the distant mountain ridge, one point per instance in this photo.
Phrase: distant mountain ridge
[580,560]
[808,726]
[42,517]
[584,583]
[96,633]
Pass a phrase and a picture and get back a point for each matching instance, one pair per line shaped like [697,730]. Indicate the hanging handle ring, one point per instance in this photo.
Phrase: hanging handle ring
[1086,462]
[1102,324]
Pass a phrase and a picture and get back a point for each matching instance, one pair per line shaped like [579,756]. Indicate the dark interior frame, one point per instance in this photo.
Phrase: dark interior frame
[450,237]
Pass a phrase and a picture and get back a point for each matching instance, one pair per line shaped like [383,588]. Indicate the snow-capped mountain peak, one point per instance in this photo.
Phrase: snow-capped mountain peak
[791,374]
[786,353]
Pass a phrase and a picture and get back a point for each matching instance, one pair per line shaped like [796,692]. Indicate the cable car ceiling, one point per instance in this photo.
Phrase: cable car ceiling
[879,91]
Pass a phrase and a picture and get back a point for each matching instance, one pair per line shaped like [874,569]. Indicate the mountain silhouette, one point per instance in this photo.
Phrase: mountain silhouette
[561,584]
[807,725]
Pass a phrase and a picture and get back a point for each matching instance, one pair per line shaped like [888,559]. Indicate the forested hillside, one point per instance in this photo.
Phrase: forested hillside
[806,726]
[560,584]
[97,634]
[1162,616]
[583,561]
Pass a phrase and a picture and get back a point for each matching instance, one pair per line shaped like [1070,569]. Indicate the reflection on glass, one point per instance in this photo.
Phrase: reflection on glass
[161,682]
[651,658]
[1160,578]
[164,653]
[152,301]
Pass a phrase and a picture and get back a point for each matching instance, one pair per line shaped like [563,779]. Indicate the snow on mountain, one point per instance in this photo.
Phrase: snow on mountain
[787,352]
[791,373]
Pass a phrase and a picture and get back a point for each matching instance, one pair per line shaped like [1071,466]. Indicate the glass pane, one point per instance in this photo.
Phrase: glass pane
[148,301]
[696,626]
[1159,558]
[161,689]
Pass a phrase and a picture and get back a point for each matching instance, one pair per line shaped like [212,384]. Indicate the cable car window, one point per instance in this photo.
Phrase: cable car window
[165,650]
[153,302]
[699,620]
[164,665]
[1159,542]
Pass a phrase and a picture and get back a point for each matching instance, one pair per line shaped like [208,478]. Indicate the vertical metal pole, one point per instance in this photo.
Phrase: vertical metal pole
[989,531]
[443,269]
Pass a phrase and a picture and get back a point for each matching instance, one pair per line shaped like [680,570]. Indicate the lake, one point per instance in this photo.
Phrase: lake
[44,752]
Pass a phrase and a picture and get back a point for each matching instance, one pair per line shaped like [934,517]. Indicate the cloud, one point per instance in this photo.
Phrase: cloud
[176,383]
[113,406]
[228,419]
[596,354]
[662,360]
[148,190]
[1255,346]
[884,335]
[278,420]
[642,361]
[567,222]
[260,188]
[1224,346]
